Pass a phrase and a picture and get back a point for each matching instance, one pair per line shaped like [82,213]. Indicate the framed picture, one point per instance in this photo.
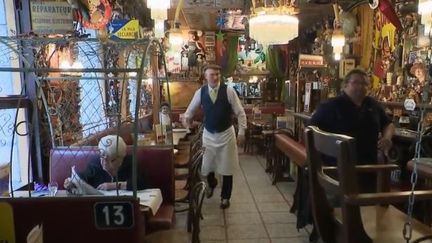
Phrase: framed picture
[345,66]
[412,56]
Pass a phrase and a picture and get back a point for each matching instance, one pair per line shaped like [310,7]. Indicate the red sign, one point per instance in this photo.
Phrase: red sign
[311,61]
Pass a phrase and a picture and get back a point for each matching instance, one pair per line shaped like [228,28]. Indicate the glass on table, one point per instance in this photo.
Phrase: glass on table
[52,188]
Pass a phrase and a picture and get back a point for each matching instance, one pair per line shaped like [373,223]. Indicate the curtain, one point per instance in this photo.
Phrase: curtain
[226,54]
[277,65]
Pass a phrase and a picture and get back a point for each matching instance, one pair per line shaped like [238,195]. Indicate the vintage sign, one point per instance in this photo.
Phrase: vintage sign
[50,17]
[311,61]
[124,29]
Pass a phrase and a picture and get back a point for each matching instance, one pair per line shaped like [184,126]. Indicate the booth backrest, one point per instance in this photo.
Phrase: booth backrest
[154,163]
[73,219]
[291,148]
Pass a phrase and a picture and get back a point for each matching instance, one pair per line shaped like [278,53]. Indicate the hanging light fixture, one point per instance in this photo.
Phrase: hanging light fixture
[425,10]
[338,42]
[159,28]
[159,13]
[266,21]
[176,39]
[338,37]
[175,34]
[159,8]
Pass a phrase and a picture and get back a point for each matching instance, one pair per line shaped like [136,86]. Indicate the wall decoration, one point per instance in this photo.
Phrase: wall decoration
[229,19]
[251,56]
[211,3]
[49,17]
[189,61]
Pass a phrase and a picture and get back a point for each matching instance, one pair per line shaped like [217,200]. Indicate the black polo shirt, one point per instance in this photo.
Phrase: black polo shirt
[364,123]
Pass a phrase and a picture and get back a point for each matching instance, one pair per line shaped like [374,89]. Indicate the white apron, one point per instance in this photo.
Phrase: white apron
[220,153]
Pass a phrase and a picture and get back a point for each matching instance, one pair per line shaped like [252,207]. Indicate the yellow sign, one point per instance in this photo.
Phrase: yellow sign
[128,31]
[7,228]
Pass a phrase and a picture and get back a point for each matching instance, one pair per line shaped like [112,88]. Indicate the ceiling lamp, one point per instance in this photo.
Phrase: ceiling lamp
[425,10]
[159,28]
[338,42]
[265,22]
[159,13]
[338,37]
[158,5]
[176,39]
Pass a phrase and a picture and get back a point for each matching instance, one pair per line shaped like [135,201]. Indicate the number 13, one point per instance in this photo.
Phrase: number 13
[118,215]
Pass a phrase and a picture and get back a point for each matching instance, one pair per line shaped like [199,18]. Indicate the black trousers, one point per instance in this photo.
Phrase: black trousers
[227,184]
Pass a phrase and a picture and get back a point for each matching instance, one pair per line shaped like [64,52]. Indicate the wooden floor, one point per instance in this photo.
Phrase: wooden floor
[259,211]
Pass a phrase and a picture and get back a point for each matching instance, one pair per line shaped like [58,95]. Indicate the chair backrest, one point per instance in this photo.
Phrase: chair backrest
[196,199]
[342,148]
[195,175]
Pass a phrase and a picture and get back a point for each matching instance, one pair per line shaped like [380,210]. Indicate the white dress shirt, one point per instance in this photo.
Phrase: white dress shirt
[233,99]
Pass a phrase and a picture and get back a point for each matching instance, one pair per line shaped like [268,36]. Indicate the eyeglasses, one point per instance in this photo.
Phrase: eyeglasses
[107,159]
[359,83]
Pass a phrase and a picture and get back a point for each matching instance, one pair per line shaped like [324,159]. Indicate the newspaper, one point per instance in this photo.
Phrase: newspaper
[83,187]
[151,198]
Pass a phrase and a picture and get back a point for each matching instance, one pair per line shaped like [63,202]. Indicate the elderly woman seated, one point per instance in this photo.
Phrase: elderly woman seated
[113,166]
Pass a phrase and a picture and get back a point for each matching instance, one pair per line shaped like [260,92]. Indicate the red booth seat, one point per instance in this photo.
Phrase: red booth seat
[154,163]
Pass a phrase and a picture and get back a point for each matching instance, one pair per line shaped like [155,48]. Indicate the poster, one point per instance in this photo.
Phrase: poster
[51,17]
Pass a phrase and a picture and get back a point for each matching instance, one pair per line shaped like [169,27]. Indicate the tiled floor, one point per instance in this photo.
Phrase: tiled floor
[259,211]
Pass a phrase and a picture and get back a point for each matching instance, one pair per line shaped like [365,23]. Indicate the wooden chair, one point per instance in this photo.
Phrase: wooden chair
[193,222]
[382,224]
[183,192]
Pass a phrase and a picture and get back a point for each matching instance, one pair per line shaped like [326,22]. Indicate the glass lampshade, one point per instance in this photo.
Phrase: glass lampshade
[273,26]
[176,39]
[159,28]
[425,10]
[159,4]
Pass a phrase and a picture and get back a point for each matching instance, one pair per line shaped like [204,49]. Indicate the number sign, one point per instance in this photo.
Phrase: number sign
[113,215]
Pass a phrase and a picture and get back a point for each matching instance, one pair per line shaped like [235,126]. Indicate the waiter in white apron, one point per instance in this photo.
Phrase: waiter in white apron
[219,104]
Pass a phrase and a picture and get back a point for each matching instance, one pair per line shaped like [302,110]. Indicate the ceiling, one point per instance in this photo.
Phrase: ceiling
[202,14]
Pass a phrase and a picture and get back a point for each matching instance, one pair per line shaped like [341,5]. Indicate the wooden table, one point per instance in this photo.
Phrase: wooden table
[150,199]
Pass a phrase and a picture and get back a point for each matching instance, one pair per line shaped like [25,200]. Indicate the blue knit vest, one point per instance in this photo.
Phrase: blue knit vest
[217,116]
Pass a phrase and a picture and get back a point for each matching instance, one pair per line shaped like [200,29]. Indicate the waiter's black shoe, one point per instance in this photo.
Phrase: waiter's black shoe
[212,183]
[210,192]
[225,203]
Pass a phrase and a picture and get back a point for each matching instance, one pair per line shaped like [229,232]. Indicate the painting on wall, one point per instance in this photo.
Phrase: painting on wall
[189,60]
[251,56]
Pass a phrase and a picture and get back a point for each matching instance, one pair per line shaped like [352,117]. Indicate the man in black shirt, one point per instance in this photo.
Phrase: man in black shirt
[355,114]
[112,170]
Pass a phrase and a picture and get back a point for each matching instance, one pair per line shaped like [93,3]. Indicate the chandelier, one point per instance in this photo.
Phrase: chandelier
[338,37]
[158,12]
[266,21]
[425,10]
[338,43]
